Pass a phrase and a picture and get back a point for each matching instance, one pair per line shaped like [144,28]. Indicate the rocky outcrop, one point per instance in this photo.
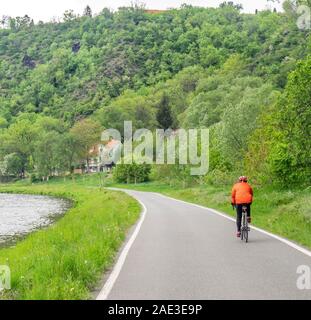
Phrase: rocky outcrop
[76,47]
[28,62]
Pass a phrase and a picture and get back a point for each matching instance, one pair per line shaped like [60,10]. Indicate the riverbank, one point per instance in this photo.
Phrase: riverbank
[67,259]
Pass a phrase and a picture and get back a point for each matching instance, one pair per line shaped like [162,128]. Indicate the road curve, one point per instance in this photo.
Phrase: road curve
[182,251]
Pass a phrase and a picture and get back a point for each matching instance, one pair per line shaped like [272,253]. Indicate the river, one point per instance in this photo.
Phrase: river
[21,214]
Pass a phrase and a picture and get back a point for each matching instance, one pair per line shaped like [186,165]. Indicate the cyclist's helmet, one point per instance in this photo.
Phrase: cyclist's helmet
[243,179]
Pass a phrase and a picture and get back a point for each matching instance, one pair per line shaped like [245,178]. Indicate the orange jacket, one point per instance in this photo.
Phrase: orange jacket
[242,192]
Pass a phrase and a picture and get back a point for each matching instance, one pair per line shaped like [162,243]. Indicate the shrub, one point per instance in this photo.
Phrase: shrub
[132,173]
[33,178]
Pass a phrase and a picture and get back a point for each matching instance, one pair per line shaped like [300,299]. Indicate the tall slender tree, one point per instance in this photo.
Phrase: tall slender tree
[164,114]
[87,11]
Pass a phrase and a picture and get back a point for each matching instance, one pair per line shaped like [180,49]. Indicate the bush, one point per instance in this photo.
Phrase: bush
[33,178]
[132,173]
[174,175]
[218,177]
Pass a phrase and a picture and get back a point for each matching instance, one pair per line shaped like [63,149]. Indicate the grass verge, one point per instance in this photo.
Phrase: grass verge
[66,260]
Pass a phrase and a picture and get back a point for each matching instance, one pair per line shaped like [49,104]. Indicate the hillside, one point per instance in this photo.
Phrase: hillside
[245,76]
[70,69]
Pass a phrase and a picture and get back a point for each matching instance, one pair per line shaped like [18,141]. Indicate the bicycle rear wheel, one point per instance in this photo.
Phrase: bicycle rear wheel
[246,234]
[244,229]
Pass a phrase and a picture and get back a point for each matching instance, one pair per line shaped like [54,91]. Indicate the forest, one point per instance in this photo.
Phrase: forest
[246,77]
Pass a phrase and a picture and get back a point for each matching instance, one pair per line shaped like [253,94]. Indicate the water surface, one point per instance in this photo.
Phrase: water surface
[21,214]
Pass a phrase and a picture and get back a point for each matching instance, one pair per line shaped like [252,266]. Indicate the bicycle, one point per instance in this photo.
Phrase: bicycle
[244,228]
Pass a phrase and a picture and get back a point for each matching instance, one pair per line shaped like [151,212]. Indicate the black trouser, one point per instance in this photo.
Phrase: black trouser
[239,214]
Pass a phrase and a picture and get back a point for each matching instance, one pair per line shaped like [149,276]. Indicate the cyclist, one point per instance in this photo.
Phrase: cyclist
[242,195]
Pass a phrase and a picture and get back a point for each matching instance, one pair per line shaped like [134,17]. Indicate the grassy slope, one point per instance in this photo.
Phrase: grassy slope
[283,212]
[67,259]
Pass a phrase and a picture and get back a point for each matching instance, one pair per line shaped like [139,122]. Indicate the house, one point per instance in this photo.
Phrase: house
[102,157]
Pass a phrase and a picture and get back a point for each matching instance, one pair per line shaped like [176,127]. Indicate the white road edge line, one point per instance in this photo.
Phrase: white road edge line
[104,293]
[289,243]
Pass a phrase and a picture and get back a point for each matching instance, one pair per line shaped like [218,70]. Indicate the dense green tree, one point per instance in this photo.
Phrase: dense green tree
[240,120]
[86,133]
[12,164]
[46,155]
[290,154]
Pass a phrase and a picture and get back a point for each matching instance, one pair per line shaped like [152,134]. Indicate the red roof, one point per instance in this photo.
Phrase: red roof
[94,151]
[112,143]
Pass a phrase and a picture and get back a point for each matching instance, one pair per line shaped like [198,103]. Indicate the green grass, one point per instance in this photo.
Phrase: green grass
[67,259]
[283,212]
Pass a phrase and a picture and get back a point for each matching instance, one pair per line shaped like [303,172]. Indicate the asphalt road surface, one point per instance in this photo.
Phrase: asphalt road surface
[182,251]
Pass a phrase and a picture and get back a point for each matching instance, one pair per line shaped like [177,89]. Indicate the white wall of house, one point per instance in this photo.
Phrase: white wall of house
[105,156]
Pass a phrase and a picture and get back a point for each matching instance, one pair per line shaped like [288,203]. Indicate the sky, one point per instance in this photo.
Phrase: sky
[45,10]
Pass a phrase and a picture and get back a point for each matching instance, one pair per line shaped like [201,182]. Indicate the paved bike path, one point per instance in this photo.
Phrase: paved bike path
[183,251]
